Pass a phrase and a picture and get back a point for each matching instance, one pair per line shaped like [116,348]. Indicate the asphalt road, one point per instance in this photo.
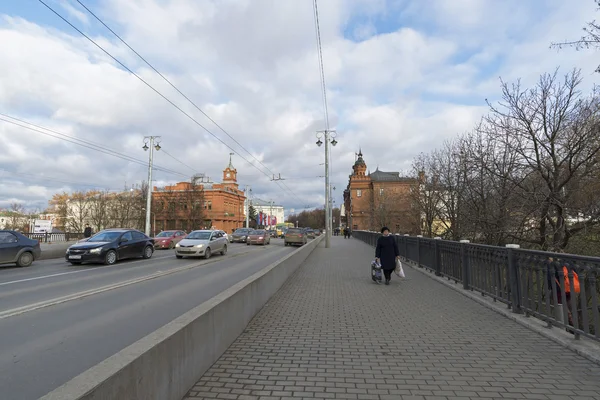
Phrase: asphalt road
[57,320]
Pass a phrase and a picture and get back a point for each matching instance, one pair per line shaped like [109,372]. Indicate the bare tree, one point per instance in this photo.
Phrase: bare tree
[99,203]
[15,217]
[425,196]
[78,211]
[122,213]
[192,201]
[554,131]
[448,166]
[589,40]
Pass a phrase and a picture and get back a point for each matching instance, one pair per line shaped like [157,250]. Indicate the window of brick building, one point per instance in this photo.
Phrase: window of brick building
[358,193]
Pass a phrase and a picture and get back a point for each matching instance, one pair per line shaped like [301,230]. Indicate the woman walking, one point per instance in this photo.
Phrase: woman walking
[386,253]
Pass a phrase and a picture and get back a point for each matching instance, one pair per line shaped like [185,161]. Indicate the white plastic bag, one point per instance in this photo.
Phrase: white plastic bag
[399,270]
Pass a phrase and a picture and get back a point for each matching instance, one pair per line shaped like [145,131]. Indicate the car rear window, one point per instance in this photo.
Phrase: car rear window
[294,230]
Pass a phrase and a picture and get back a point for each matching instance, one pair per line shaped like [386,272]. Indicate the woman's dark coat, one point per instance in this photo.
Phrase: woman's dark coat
[387,251]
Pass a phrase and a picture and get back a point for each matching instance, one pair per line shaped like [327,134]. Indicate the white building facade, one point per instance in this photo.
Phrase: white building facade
[269,208]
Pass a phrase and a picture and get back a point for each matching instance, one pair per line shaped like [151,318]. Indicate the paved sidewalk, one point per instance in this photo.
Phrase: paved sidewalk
[331,333]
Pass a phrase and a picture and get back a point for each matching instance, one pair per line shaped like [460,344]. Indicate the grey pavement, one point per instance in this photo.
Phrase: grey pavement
[331,333]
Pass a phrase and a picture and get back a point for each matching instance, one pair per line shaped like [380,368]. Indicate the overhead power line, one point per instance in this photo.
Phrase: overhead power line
[321,68]
[155,90]
[27,175]
[80,142]
[172,85]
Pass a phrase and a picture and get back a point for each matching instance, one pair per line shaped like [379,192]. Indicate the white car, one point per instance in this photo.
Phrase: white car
[202,244]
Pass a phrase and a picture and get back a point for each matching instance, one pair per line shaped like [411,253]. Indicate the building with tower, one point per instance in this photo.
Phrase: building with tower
[376,199]
[200,204]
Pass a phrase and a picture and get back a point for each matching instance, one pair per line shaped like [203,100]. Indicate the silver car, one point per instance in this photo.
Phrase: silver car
[226,236]
[201,244]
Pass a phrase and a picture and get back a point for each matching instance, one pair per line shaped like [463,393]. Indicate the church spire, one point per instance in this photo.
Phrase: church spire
[230,166]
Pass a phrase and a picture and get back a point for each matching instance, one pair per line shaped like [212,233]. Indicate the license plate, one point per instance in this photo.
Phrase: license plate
[74,257]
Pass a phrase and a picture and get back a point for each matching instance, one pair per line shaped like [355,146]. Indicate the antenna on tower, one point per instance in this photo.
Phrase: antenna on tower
[277,178]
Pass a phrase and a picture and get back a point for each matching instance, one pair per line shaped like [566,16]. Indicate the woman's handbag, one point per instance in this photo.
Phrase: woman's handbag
[399,270]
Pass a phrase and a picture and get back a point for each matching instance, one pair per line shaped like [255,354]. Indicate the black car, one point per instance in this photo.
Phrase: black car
[240,235]
[16,248]
[111,245]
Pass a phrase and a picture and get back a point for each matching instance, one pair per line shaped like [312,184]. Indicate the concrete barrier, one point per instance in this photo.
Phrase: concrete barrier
[54,250]
[167,363]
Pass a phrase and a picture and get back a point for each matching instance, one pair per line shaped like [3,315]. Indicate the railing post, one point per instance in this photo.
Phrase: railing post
[45,237]
[513,275]
[405,245]
[464,260]
[437,258]
[419,237]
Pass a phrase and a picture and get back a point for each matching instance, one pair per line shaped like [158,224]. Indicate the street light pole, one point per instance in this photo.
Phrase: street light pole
[329,137]
[247,207]
[150,140]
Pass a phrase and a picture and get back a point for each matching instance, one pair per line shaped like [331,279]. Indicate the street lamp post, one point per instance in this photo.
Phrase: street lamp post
[150,140]
[248,205]
[329,137]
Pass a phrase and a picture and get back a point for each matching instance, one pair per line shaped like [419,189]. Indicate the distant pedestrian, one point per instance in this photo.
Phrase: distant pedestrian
[87,232]
[386,253]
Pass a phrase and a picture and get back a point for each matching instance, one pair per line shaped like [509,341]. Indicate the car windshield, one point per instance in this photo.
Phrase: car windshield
[241,231]
[258,232]
[166,234]
[105,237]
[199,236]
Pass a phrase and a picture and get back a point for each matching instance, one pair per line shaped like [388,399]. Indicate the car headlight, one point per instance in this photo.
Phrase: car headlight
[177,245]
[260,237]
[96,250]
[199,246]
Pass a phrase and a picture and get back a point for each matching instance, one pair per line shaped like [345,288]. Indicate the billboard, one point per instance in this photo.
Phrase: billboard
[42,226]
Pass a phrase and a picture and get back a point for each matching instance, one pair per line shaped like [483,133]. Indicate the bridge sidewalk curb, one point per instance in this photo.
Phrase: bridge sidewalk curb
[582,347]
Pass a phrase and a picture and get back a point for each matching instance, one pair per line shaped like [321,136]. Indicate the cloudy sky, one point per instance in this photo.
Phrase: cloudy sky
[402,76]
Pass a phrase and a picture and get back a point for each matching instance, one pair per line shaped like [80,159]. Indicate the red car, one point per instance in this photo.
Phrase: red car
[168,239]
[259,236]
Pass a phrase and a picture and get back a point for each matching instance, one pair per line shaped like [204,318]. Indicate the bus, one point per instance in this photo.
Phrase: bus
[282,227]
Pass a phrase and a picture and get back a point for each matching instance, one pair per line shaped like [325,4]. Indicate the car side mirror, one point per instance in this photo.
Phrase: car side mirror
[123,240]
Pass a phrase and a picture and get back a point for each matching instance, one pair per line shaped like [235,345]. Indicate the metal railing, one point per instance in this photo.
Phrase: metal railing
[527,281]
[54,237]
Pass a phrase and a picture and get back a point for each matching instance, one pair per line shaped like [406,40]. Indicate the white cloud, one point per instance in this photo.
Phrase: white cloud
[252,66]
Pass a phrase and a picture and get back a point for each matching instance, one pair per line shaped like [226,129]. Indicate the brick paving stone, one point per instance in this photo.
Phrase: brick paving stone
[331,333]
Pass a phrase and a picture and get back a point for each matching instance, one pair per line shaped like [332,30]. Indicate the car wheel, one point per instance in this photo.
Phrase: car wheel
[178,256]
[224,251]
[247,243]
[148,252]
[171,246]
[207,253]
[25,259]
[110,258]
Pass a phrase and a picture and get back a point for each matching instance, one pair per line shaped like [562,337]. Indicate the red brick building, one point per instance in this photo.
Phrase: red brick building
[377,199]
[200,205]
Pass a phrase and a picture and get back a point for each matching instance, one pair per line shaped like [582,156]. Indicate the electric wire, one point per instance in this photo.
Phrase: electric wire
[178,160]
[182,94]
[172,85]
[57,180]
[157,92]
[81,142]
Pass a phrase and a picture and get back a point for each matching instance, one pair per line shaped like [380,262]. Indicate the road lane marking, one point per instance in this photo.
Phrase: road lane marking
[75,272]
[90,292]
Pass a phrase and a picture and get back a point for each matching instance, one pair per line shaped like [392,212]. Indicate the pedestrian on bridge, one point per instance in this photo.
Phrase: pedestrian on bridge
[386,253]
